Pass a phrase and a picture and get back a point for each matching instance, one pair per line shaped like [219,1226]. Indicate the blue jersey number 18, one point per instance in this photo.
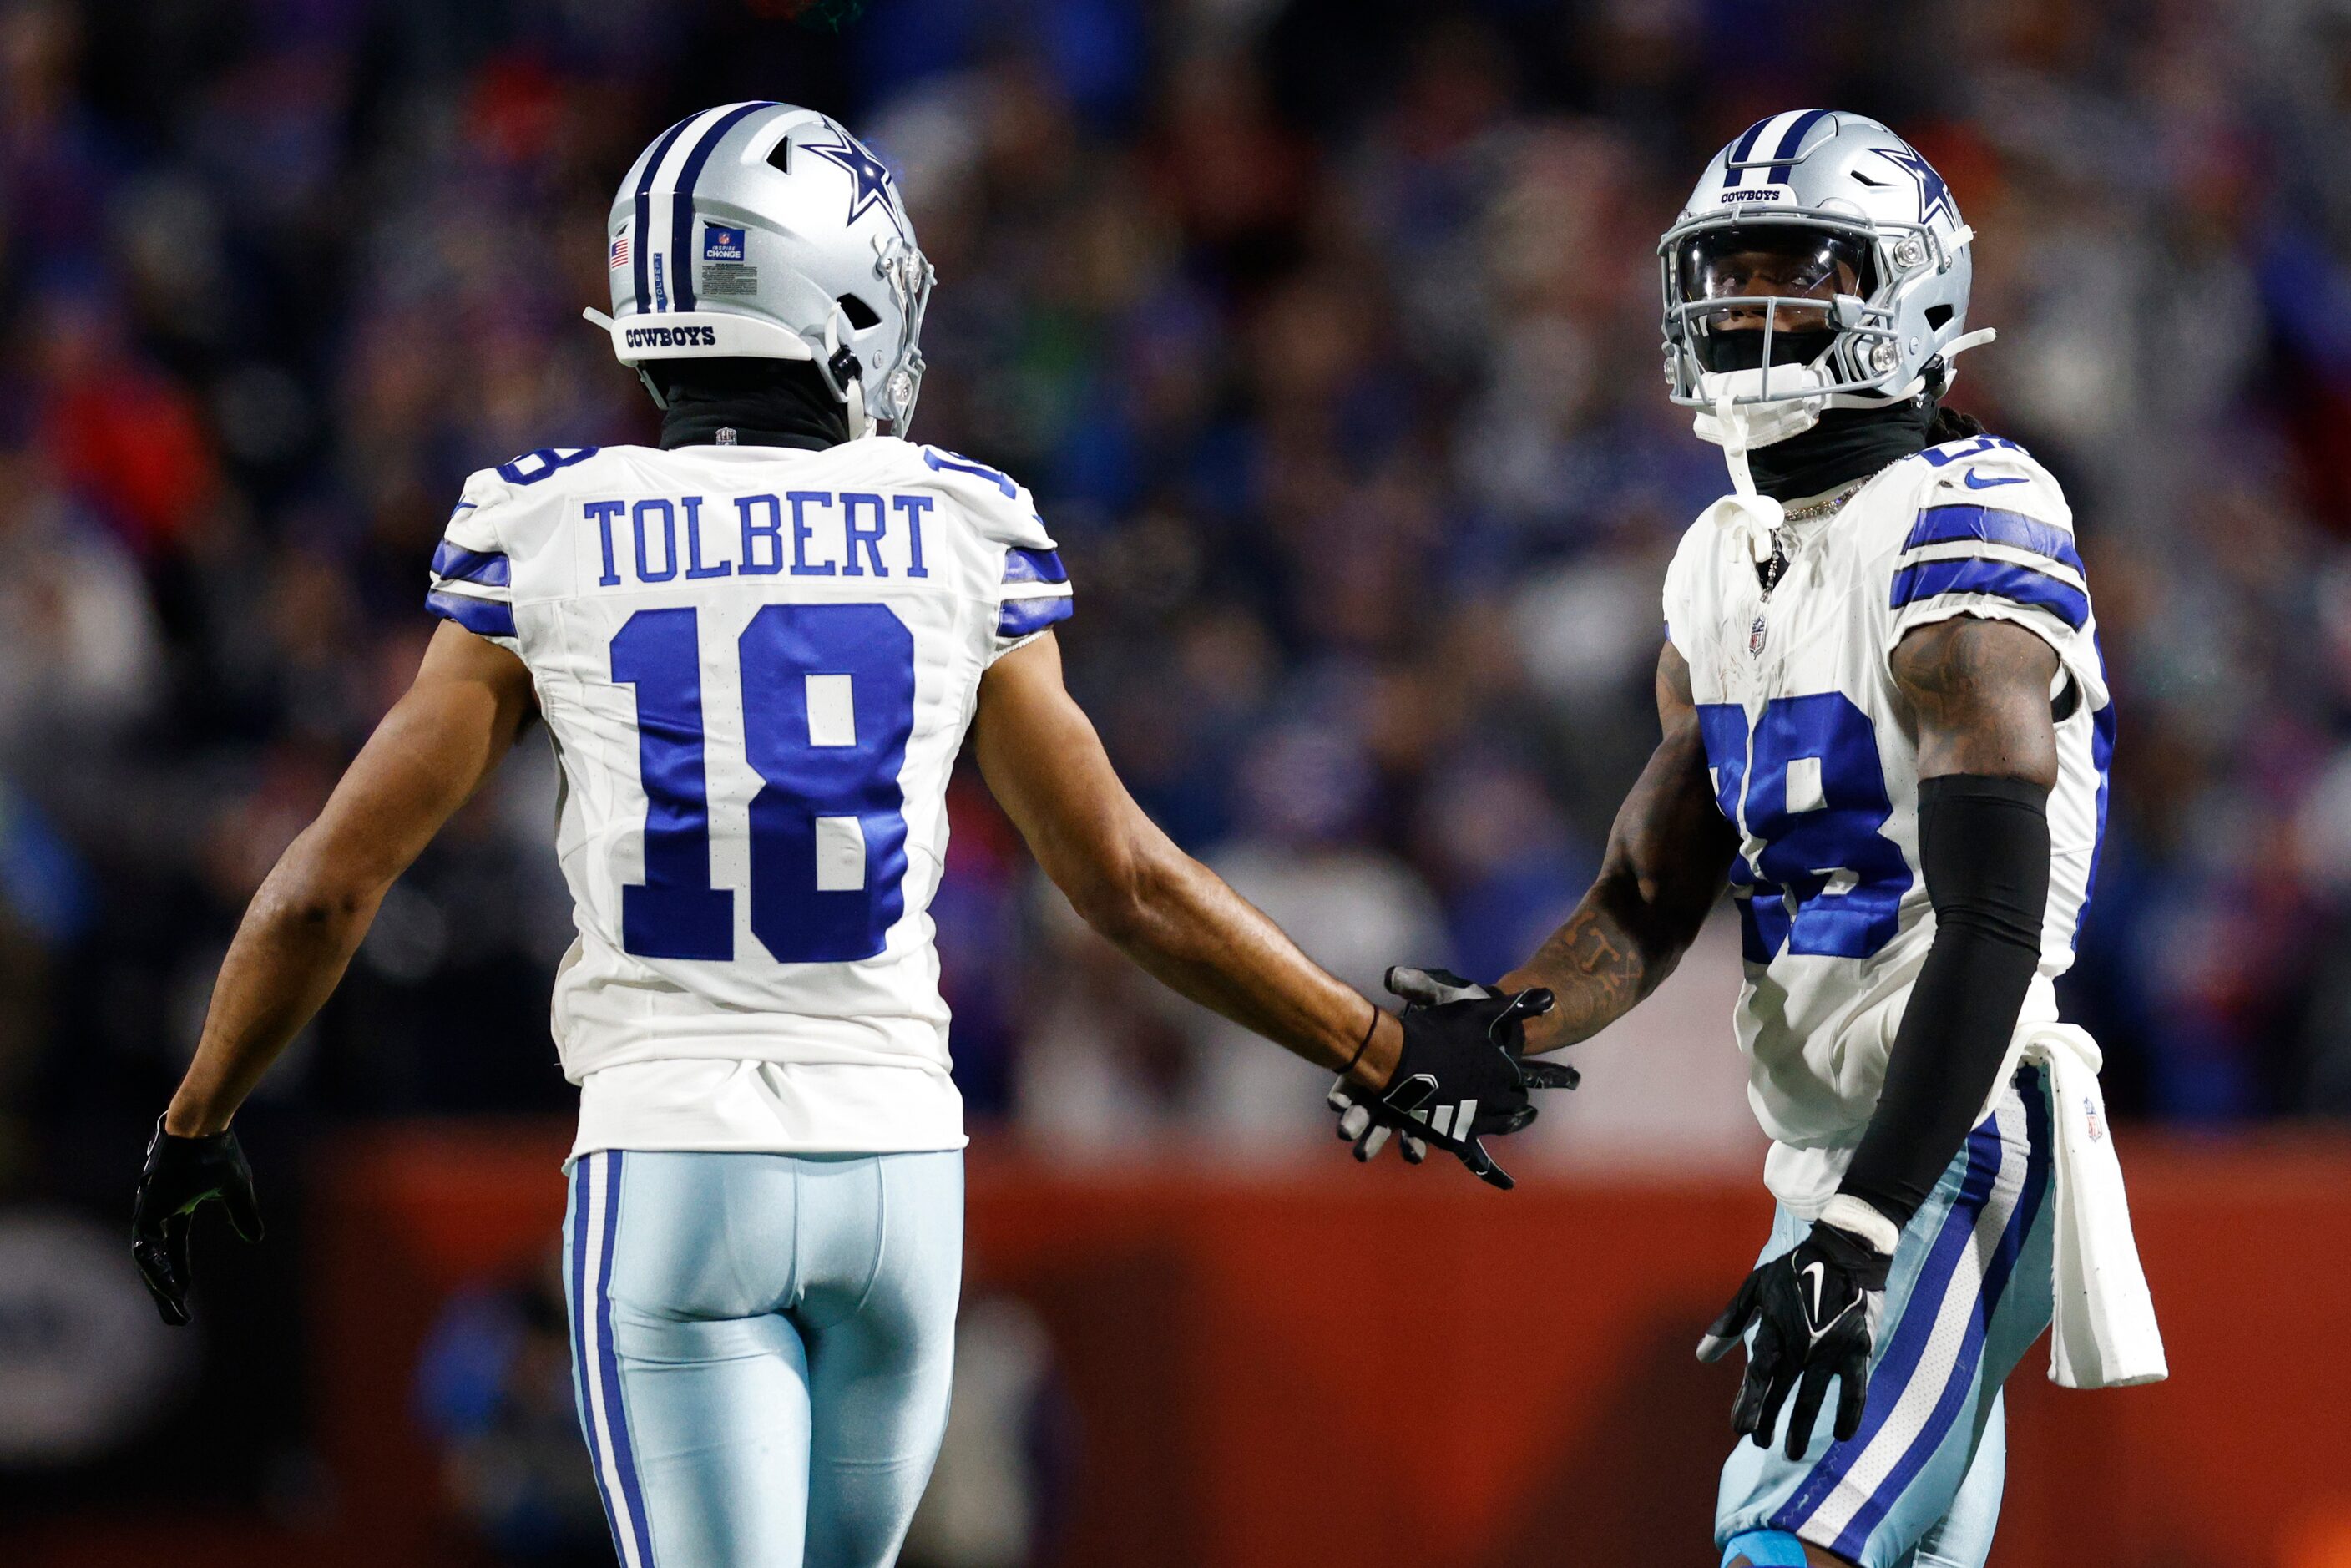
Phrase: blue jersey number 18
[828,706]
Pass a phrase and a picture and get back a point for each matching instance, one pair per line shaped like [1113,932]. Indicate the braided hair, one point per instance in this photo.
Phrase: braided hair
[1951,425]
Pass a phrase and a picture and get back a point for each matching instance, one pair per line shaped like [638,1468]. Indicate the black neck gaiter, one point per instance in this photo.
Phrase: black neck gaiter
[1847,444]
[765,402]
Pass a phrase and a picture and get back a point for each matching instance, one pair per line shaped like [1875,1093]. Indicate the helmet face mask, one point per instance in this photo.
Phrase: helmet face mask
[1766,293]
[767,231]
[907,278]
[1820,263]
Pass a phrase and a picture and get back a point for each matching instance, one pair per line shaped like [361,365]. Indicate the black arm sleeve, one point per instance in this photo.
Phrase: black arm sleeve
[1983,845]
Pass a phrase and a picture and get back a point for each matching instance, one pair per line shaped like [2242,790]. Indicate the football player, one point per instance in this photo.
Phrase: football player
[1886,729]
[757,650]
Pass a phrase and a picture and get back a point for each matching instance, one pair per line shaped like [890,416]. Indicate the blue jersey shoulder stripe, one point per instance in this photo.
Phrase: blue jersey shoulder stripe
[1942,525]
[1020,617]
[2004,580]
[483,617]
[491,569]
[1034,566]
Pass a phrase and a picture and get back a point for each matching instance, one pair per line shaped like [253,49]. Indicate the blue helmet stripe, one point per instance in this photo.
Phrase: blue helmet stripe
[680,238]
[1789,145]
[1745,145]
[640,251]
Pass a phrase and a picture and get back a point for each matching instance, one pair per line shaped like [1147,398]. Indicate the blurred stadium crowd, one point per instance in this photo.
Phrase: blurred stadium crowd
[1325,334]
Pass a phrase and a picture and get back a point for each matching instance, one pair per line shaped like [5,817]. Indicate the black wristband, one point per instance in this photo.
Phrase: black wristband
[1370,1030]
[1983,848]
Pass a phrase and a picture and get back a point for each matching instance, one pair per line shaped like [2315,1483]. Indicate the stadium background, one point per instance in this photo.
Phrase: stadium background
[1325,334]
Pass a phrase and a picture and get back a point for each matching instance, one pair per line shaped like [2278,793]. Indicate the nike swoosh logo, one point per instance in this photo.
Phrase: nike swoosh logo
[1814,1273]
[1976,482]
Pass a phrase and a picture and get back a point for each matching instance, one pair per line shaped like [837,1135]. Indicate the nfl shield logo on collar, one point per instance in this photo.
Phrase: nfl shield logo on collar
[1755,637]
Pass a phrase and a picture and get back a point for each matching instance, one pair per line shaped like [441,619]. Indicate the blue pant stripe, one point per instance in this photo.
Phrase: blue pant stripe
[580,1307]
[1901,1359]
[1930,1434]
[2028,1202]
[616,1413]
[1937,1424]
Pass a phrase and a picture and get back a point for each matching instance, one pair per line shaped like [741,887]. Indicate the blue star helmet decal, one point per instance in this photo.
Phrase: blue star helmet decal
[871,176]
[1934,196]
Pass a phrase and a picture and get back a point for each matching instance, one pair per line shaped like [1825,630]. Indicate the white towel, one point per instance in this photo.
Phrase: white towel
[2104,1333]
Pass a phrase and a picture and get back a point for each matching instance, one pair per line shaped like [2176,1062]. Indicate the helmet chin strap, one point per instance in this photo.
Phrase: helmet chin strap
[841,369]
[860,424]
[1731,420]
[1744,513]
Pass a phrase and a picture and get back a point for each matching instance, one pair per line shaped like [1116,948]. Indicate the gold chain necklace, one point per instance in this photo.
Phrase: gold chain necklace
[1771,571]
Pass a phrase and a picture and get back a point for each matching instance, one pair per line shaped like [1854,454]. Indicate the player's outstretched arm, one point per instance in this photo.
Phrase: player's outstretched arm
[1451,1069]
[1668,859]
[1129,881]
[427,757]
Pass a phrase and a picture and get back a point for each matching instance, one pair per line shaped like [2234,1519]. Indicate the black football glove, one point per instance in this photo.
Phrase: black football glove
[181,1175]
[1459,1078]
[1815,1311]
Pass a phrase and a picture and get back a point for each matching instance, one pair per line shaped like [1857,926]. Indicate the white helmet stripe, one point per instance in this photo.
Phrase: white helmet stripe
[681,244]
[1790,142]
[662,171]
[1778,138]
[1744,148]
[644,185]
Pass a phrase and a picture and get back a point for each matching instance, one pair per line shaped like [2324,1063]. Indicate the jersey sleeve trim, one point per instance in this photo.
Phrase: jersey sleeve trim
[1034,566]
[1989,525]
[1980,575]
[473,575]
[1036,593]
[1026,617]
[483,617]
[491,569]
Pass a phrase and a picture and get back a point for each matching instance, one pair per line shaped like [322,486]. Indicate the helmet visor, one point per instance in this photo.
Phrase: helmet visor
[1781,277]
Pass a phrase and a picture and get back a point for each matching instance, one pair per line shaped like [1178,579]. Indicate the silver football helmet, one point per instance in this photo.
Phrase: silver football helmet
[1820,264]
[764,230]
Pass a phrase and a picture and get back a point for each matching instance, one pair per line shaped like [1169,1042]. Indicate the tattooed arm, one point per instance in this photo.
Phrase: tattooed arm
[1979,694]
[1980,691]
[1668,858]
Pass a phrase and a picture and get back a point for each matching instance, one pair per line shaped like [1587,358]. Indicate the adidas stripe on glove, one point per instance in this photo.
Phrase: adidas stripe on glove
[1460,1077]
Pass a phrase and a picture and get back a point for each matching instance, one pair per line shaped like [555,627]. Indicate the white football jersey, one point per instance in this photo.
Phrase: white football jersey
[1813,758]
[757,666]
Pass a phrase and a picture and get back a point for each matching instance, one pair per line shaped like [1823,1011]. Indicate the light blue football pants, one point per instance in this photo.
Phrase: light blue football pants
[1918,1486]
[761,1346]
